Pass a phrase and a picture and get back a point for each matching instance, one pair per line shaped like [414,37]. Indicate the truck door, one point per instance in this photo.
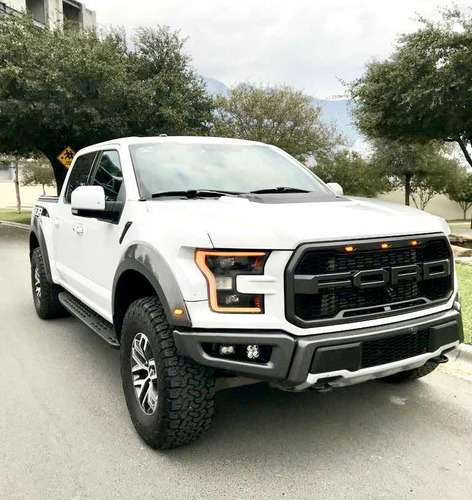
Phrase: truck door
[100,239]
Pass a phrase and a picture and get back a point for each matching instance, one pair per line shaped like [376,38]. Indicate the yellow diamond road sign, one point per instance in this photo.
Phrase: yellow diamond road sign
[66,157]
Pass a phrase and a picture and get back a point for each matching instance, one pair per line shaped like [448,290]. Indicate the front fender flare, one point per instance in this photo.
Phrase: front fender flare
[152,265]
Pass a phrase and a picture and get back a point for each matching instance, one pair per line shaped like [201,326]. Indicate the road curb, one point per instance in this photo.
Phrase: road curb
[465,353]
[15,224]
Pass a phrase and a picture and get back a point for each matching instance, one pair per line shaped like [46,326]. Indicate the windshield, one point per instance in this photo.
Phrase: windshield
[240,168]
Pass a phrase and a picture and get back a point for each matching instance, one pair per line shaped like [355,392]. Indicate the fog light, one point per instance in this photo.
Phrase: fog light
[227,349]
[252,351]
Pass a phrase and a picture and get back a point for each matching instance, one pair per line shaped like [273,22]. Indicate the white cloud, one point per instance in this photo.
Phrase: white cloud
[307,43]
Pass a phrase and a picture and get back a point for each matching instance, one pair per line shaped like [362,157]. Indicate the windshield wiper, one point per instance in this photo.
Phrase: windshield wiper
[195,193]
[280,190]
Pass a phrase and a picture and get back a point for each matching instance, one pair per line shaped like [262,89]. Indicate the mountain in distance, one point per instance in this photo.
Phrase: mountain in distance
[334,111]
[215,87]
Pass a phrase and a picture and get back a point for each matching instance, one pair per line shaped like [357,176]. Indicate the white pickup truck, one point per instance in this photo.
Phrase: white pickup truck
[205,259]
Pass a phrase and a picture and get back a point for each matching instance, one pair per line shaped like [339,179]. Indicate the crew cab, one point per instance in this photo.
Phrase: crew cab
[206,259]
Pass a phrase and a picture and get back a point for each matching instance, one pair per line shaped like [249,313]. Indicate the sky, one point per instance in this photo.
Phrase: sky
[310,44]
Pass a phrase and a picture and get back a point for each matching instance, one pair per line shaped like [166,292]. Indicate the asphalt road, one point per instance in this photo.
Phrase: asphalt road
[65,431]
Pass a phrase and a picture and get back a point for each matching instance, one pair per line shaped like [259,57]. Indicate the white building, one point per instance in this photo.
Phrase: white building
[52,13]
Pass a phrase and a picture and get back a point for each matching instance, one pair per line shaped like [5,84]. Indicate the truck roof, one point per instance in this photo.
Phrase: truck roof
[126,141]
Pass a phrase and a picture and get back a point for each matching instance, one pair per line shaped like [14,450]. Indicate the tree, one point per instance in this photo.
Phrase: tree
[459,190]
[14,160]
[74,88]
[36,173]
[441,171]
[422,92]
[419,168]
[282,116]
[357,175]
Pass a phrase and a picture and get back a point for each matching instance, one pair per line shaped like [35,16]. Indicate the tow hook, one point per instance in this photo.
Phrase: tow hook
[440,359]
[324,385]
[321,388]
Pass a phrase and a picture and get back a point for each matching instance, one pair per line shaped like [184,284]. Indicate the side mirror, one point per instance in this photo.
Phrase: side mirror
[336,188]
[88,198]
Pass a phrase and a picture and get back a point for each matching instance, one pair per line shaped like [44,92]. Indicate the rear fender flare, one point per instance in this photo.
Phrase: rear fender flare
[37,231]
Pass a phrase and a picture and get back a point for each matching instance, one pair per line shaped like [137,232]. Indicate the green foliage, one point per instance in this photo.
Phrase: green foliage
[422,169]
[459,189]
[35,173]
[422,92]
[441,171]
[76,88]
[464,275]
[282,116]
[357,175]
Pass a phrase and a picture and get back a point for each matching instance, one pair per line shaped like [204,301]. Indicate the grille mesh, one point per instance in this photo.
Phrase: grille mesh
[388,350]
[330,261]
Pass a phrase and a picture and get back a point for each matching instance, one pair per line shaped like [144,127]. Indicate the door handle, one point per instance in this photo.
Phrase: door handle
[78,229]
[55,222]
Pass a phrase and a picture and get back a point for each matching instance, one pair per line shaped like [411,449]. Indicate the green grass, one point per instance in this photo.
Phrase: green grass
[12,216]
[464,273]
[459,224]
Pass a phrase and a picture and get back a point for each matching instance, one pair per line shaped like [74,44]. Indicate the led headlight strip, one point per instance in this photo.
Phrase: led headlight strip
[221,269]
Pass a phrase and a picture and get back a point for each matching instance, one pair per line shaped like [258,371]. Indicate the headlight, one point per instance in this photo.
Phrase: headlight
[220,269]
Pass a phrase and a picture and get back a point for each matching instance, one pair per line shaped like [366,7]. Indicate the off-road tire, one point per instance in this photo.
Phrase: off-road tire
[47,304]
[185,389]
[414,374]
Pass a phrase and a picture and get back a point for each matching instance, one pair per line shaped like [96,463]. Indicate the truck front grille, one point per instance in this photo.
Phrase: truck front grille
[325,284]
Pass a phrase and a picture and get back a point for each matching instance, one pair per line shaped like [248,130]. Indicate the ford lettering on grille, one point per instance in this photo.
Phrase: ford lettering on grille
[306,284]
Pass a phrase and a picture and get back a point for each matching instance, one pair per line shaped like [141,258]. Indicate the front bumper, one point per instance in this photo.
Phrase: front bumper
[333,359]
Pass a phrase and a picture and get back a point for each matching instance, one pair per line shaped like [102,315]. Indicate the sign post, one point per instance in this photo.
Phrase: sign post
[66,157]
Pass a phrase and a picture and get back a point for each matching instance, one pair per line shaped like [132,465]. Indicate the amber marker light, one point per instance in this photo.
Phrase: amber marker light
[201,261]
[384,246]
[414,243]
[178,312]
[349,248]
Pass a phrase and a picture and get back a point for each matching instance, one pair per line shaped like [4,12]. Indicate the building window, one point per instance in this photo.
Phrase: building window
[71,13]
[37,9]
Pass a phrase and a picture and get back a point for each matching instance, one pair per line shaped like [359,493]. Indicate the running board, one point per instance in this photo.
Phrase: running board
[93,320]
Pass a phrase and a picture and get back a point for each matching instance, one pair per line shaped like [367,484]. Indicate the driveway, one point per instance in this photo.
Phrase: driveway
[65,430]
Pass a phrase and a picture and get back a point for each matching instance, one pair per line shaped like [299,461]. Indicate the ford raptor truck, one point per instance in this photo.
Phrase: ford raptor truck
[208,260]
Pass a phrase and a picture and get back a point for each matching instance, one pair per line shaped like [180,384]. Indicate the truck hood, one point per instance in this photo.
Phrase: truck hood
[233,222]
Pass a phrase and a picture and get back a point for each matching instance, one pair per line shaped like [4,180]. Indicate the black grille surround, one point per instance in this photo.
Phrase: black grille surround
[324,284]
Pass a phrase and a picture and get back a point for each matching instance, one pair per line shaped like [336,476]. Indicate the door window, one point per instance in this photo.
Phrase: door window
[108,174]
[80,174]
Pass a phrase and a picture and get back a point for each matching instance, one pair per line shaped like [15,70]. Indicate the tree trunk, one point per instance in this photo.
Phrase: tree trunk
[44,191]
[17,186]
[463,147]
[60,171]
[407,189]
